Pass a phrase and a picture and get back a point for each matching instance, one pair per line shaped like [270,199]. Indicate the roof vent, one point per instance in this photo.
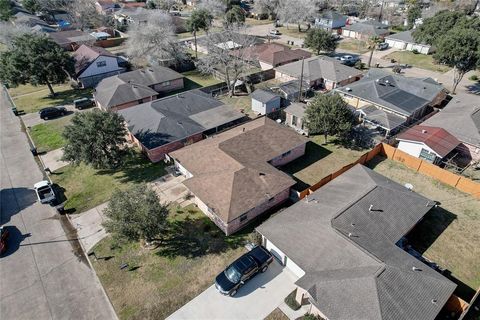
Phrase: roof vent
[416,269]
[261,174]
[378,80]
[348,89]
[350,234]
[371,208]
[243,129]
[386,81]
[424,131]
[434,301]
[409,186]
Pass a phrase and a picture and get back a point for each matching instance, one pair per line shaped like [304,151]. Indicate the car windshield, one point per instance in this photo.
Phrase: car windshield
[233,274]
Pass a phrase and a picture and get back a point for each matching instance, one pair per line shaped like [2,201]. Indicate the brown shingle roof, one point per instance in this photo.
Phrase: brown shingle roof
[85,55]
[438,139]
[231,173]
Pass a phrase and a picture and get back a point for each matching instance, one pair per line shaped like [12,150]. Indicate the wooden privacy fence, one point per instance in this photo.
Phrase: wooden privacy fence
[461,183]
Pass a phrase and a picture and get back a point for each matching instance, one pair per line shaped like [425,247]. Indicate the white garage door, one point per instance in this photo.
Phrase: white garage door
[283,259]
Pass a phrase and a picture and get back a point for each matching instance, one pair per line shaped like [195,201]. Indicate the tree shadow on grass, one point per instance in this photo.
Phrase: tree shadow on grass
[67,96]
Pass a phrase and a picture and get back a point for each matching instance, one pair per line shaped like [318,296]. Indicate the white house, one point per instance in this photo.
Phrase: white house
[428,143]
[264,101]
[92,64]
[404,41]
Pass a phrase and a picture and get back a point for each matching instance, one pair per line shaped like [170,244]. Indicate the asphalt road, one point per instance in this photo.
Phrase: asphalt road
[44,273]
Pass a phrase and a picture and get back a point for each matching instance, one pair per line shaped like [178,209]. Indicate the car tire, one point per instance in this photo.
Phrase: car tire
[234,292]
[79,108]
[45,118]
[264,269]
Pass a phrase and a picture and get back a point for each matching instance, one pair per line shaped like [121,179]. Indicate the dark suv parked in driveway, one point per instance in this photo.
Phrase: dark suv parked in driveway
[235,275]
[52,112]
[83,103]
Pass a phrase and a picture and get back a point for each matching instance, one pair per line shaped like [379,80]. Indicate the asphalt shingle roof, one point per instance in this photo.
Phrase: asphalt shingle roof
[85,55]
[386,120]
[438,139]
[372,28]
[343,236]
[176,117]
[263,96]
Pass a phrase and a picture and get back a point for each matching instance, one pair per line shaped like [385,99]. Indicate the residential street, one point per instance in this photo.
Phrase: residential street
[44,273]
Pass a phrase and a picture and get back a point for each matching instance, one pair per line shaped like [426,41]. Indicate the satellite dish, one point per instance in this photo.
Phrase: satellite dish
[409,186]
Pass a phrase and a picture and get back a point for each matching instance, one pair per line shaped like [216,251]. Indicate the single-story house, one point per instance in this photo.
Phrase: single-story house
[290,90]
[428,143]
[164,125]
[270,55]
[294,114]
[365,30]
[72,39]
[340,241]
[33,22]
[319,72]
[92,64]
[404,41]
[219,40]
[107,6]
[330,20]
[265,101]
[379,118]
[233,176]
[461,118]
[136,87]
[406,98]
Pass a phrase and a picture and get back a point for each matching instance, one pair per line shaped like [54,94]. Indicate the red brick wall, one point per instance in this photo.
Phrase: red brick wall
[158,154]
[294,154]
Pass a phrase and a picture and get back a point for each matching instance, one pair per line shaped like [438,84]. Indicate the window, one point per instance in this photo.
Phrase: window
[101,64]
[294,120]
[286,153]
[166,83]
[243,218]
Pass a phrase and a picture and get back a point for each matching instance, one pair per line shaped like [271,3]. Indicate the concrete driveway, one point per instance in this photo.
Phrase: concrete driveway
[32,119]
[255,300]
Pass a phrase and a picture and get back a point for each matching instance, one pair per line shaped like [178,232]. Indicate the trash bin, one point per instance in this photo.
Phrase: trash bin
[34,152]
[377,65]
[15,111]
[60,209]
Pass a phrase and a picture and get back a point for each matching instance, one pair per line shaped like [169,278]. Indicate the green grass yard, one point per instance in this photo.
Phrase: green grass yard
[422,61]
[160,281]
[200,79]
[48,136]
[448,235]
[86,187]
[240,103]
[352,45]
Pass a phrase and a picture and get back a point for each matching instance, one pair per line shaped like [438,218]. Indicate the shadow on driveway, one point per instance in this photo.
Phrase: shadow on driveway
[15,200]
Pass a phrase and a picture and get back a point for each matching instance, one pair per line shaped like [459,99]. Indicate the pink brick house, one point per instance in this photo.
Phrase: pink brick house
[135,87]
[233,175]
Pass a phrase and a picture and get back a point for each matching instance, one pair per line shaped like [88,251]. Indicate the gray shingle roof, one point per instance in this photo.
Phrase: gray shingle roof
[319,67]
[460,117]
[263,96]
[397,93]
[176,117]
[368,28]
[405,36]
[386,120]
[296,109]
[353,268]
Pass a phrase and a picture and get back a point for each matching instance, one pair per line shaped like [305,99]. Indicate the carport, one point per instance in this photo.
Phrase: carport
[255,300]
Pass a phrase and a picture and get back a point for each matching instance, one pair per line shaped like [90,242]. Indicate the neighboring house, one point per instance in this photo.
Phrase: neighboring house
[136,87]
[270,55]
[203,42]
[365,30]
[341,241]
[265,101]
[72,39]
[165,125]
[404,41]
[319,72]
[33,22]
[290,90]
[407,99]
[107,6]
[92,64]
[461,118]
[331,20]
[428,143]
[294,115]
[233,174]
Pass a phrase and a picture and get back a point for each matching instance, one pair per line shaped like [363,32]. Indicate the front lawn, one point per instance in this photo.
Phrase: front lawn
[319,161]
[86,187]
[158,282]
[48,136]
[33,101]
[353,45]
[448,235]
[199,78]
[422,61]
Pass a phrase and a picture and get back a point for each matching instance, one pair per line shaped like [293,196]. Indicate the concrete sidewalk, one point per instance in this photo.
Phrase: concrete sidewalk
[89,226]
[52,159]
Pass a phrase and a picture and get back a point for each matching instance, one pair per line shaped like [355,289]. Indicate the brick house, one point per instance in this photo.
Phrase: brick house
[365,30]
[164,125]
[136,87]
[320,72]
[233,174]
[340,243]
[270,55]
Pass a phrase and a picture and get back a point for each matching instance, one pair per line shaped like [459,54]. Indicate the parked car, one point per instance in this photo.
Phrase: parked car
[349,60]
[52,112]
[3,240]
[247,266]
[44,191]
[382,46]
[83,103]
[275,32]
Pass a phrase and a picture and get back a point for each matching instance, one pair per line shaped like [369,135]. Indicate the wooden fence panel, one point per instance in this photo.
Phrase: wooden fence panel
[469,186]
[321,183]
[456,304]
[374,152]
[407,160]
[438,173]
[388,151]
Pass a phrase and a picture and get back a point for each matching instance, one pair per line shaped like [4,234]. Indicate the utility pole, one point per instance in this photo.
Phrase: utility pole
[381,12]
[301,81]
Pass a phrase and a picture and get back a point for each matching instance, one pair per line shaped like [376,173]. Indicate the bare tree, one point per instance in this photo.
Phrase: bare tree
[165,5]
[266,7]
[84,14]
[296,11]
[216,8]
[226,55]
[155,41]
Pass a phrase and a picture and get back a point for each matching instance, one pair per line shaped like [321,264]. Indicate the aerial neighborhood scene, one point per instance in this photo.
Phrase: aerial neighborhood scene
[240,159]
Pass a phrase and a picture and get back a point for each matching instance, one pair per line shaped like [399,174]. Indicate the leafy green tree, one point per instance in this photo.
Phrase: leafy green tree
[328,114]
[96,138]
[235,16]
[35,59]
[136,214]
[31,5]
[414,12]
[459,48]
[320,40]
[372,43]
[5,10]
[200,19]
[433,28]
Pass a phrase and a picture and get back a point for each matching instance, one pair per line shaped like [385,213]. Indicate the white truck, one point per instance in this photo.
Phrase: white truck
[44,191]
